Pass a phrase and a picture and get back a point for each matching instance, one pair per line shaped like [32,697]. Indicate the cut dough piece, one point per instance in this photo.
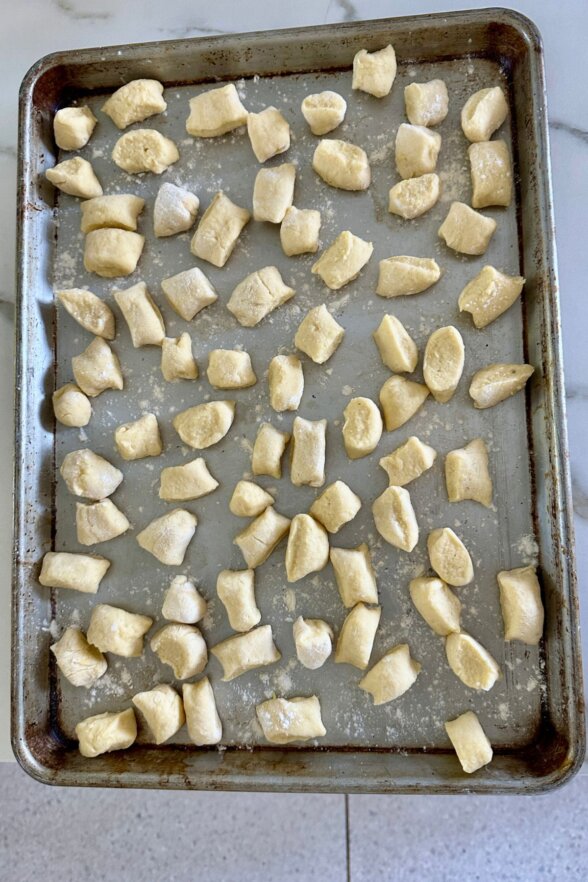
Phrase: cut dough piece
[73,127]
[471,662]
[236,590]
[415,196]
[183,603]
[308,548]
[342,165]
[343,260]
[336,506]
[111,253]
[397,349]
[437,604]
[466,230]
[258,540]
[400,399]
[216,112]
[323,111]
[269,133]
[174,210]
[449,557]
[295,719]
[286,382]
[163,711]
[374,72]
[313,640]
[427,104]
[144,150]
[184,482]
[318,334]
[189,292]
[443,362]
[395,518]
[392,676]
[489,294]
[203,425]
[218,230]
[469,741]
[134,102]
[71,407]
[230,369]
[89,311]
[80,572]
[99,522]
[120,211]
[362,428]
[182,647]
[177,361]
[257,295]
[168,536]
[249,500]
[273,192]
[89,475]
[408,462]
[356,639]
[115,630]
[522,607]
[268,450]
[242,653]
[417,149]
[75,177]
[308,452]
[356,579]
[491,174]
[402,276]
[106,732]
[139,439]
[142,315]
[299,231]
[467,475]
[497,382]
[78,661]
[483,113]
[203,721]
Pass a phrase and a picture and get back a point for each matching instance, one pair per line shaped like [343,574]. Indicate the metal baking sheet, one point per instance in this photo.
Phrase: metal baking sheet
[533,715]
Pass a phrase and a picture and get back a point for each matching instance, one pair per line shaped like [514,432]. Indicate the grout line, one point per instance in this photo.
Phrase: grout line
[347,839]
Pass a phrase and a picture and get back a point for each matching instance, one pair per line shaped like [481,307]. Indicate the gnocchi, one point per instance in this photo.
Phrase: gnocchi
[491,174]
[99,522]
[483,113]
[115,630]
[449,557]
[79,572]
[489,294]
[258,540]
[185,482]
[189,292]
[308,548]
[249,500]
[355,575]
[142,315]
[73,127]
[413,197]
[342,165]
[324,111]
[163,710]
[392,676]
[257,295]
[216,112]
[296,719]
[230,369]
[397,349]
[76,177]
[120,212]
[417,149]
[183,603]
[374,72]
[521,604]
[465,230]
[427,104]
[336,506]
[71,407]
[467,475]
[308,452]
[443,362]
[400,399]
[177,361]
[220,226]
[174,210]
[408,462]
[245,652]
[182,647]
[168,536]
[106,732]
[299,231]
[319,334]
[89,311]
[144,150]
[269,133]
[497,382]
[470,662]
[357,635]
[403,276]
[395,519]
[437,604]
[78,661]
[206,424]
[268,450]
[139,439]
[343,260]
[286,382]
[202,719]
[313,640]
[362,428]
[89,475]
[273,192]
[110,253]
[469,741]
[134,102]
[236,591]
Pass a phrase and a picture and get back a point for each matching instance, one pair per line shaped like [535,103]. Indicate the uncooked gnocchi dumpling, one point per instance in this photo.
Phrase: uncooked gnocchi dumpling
[268,132]
[470,742]
[73,127]
[216,112]
[403,275]
[299,231]
[466,230]
[99,522]
[268,450]
[308,548]
[249,500]
[168,536]
[491,174]
[177,361]
[76,177]
[144,150]
[202,719]
[413,197]
[323,111]
[236,591]
[203,425]
[230,369]
[89,475]
[284,720]
[318,334]
[342,165]
[163,711]
[218,230]
[273,192]
[308,452]
[139,439]
[71,407]
[142,315]
[362,428]
[189,292]
[189,481]
[356,579]
[174,210]
[489,294]
[471,662]
[336,506]
[343,260]
[437,604]
[80,572]
[392,676]
[408,462]
[397,349]
[115,630]
[89,311]
[111,253]
[522,607]
[357,635]
[78,661]
[395,519]
[106,732]
[119,211]
[443,362]
[374,72]
[400,400]
[258,540]
[483,113]
[427,104]
[182,647]
[417,149]
[449,557]
[183,603]
[497,382]
[313,640]
[242,653]
[286,382]
[257,295]
[467,475]
[134,102]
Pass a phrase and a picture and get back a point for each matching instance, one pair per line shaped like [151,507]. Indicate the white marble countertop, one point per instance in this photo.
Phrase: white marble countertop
[37,27]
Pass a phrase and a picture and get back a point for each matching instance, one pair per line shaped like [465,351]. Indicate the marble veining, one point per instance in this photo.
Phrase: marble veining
[72,11]
[557,125]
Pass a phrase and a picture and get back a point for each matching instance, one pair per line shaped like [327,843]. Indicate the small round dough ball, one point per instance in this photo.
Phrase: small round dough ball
[71,406]
[144,150]
[73,127]
[183,603]
[313,639]
[324,111]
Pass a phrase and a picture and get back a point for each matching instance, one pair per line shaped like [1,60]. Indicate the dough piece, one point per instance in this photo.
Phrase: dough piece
[218,230]
[286,382]
[467,475]
[168,536]
[205,424]
[397,349]
[115,630]
[257,295]
[465,230]
[258,540]
[204,725]
[489,294]
[299,231]
[78,661]
[295,719]
[343,260]
[362,428]
[400,399]
[97,368]
[408,462]
[522,607]
[356,579]
[449,557]
[71,407]
[177,361]
[184,482]
[323,111]
[182,647]
[342,165]
[491,174]
[483,113]
[318,334]
[308,548]
[236,590]
[73,127]
[357,635]
[268,450]
[174,210]
[443,362]
[402,276]
[243,653]
[163,711]
[75,177]
[273,192]
[374,72]
[216,112]
[417,149]
[141,315]
[120,211]
[89,311]
[134,102]
[471,662]
[497,382]
[249,500]
[470,742]
[268,132]
[111,253]
[80,572]
[308,452]
[313,640]
[230,369]
[415,196]
[427,104]
[392,676]
[437,604]
[106,732]
[144,150]
[89,475]
[189,292]
[336,506]
[183,603]
[395,518]
[138,439]
[99,522]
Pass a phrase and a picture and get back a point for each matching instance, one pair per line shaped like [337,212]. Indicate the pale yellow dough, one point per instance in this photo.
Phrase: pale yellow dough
[319,334]
[182,647]
[71,407]
[342,165]
[89,475]
[106,732]
[355,575]
[308,548]
[357,635]
[395,518]
[89,311]
[230,369]
[216,112]
[483,113]
[243,653]
[324,111]
[408,462]
[142,315]
[115,630]
[313,640]
[400,399]
[470,662]
[426,104]
[449,557]
[491,173]
[73,127]
[163,710]
[374,72]
[392,676]
[268,451]
[273,192]
[443,362]
[134,102]
[174,210]
[417,149]
[343,260]
[489,294]
[402,276]
[258,540]
[249,500]
[78,661]
[202,719]
[189,292]
[139,439]
[299,231]
[467,475]
[99,522]
[168,536]
[286,382]
[119,211]
[258,295]
[336,506]
[183,603]
[80,572]
[414,197]
[269,133]
[218,230]
[437,604]
[177,361]
[308,452]
[467,231]
[470,742]
[144,150]
[285,720]
[236,591]
[206,424]
[397,349]
[184,482]
[522,607]
[497,382]
[76,177]
[111,253]
[362,428]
